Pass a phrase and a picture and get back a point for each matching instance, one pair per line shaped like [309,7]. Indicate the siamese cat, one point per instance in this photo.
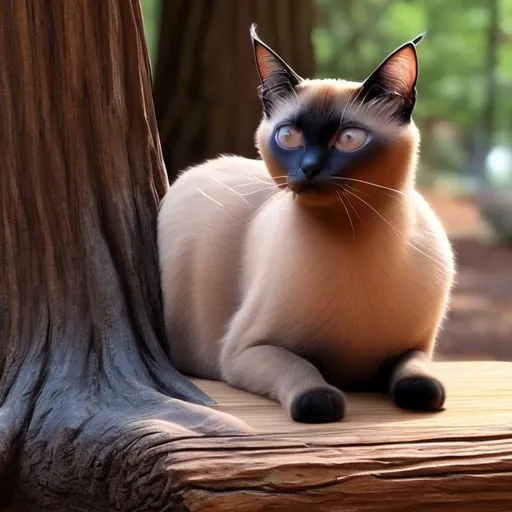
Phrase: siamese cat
[318,268]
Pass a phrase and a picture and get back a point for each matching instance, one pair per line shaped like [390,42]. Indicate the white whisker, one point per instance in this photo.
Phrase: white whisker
[371,184]
[270,196]
[272,187]
[259,179]
[351,99]
[361,103]
[241,196]
[355,190]
[348,214]
[210,198]
[352,206]
[249,184]
[219,204]
[396,230]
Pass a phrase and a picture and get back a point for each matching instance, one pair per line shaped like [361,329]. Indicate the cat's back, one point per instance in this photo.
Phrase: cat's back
[202,224]
[228,184]
[210,206]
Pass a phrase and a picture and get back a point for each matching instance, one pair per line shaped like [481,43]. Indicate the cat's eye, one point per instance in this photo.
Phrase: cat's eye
[289,137]
[351,139]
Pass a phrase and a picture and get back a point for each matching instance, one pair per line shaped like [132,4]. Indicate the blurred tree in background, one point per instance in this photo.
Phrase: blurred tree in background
[465,100]
[205,79]
[152,10]
[465,85]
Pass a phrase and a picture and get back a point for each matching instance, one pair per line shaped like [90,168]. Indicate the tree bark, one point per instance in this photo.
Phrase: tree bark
[482,136]
[205,79]
[86,418]
[491,93]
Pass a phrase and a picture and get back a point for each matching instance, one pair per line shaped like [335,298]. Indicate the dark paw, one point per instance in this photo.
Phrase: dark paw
[419,394]
[323,405]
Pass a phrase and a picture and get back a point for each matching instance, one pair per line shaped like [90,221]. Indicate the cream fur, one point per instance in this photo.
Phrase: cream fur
[254,278]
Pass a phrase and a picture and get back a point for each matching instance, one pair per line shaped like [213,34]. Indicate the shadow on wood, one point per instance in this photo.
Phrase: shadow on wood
[379,459]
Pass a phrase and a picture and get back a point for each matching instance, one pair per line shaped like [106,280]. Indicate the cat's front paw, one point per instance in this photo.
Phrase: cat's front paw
[318,405]
[418,393]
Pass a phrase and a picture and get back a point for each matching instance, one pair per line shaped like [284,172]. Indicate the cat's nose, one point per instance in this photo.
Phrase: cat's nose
[311,165]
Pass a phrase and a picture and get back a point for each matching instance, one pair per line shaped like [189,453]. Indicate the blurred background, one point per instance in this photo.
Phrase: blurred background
[202,59]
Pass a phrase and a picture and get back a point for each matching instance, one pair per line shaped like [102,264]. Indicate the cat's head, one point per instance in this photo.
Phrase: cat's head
[318,137]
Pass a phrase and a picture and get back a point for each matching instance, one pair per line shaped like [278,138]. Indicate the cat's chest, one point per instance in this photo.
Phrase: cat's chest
[349,320]
[337,305]
[333,294]
[318,292]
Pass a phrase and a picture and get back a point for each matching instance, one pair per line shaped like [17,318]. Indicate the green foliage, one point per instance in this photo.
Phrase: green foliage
[151,12]
[353,36]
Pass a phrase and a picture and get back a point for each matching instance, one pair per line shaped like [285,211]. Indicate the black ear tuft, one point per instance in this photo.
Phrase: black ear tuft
[278,79]
[418,39]
[395,78]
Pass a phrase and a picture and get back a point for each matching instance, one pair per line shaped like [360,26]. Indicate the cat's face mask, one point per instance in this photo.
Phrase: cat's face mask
[320,136]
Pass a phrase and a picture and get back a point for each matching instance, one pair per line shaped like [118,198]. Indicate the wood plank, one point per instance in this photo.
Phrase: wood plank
[479,396]
[377,459]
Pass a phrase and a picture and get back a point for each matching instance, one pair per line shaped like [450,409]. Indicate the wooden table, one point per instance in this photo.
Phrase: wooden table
[377,459]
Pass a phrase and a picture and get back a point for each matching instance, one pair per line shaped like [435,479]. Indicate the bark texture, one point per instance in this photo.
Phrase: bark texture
[205,83]
[86,418]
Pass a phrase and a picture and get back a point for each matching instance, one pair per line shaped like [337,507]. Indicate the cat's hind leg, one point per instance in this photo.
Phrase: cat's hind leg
[412,384]
[282,375]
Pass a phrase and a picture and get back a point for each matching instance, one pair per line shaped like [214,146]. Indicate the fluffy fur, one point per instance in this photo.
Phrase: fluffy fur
[299,292]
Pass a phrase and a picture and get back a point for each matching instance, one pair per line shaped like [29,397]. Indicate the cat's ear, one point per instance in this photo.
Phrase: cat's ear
[395,79]
[278,79]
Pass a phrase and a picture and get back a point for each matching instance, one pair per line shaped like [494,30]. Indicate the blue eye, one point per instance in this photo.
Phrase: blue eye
[289,137]
[351,139]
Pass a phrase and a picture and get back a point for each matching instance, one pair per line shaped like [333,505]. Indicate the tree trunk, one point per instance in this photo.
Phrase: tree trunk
[483,134]
[85,417]
[205,79]
[489,114]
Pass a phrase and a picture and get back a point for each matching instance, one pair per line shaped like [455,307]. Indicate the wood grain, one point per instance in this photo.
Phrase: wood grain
[479,396]
[378,459]
[87,392]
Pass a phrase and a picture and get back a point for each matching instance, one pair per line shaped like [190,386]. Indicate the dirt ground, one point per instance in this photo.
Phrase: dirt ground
[479,325]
